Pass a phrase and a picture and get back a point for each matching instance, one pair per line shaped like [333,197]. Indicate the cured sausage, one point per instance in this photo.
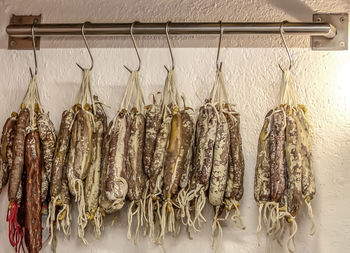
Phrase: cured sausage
[6,149]
[293,158]
[61,151]
[277,135]
[116,185]
[152,126]
[18,154]
[262,169]
[174,157]
[33,193]
[218,176]
[48,142]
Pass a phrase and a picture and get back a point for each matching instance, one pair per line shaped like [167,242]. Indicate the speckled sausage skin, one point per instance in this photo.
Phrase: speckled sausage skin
[153,121]
[92,183]
[277,135]
[104,203]
[187,143]
[33,192]
[293,158]
[72,156]
[308,175]
[116,185]
[6,149]
[262,169]
[234,187]
[205,148]
[65,195]
[173,157]
[18,154]
[61,151]
[48,142]
[159,154]
[84,145]
[218,175]
[136,176]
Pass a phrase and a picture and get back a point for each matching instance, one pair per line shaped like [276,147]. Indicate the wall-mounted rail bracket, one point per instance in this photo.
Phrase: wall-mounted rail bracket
[24,43]
[340,41]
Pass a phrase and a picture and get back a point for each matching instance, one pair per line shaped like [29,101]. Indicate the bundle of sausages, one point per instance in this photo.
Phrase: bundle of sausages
[167,158]
[284,175]
[83,159]
[27,148]
[218,162]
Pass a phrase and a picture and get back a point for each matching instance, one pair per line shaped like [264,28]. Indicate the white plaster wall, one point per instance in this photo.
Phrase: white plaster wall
[253,77]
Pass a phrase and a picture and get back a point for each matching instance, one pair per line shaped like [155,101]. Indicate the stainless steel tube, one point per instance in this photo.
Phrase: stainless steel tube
[112,29]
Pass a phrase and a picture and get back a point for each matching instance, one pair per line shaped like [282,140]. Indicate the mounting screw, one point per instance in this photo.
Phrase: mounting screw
[318,20]
[342,44]
[12,43]
[341,19]
[35,20]
[316,43]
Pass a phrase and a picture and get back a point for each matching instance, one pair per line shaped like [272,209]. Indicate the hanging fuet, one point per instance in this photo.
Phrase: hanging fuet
[84,155]
[15,180]
[59,193]
[32,140]
[135,175]
[33,166]
[80,149]
[92,184]
[28,137]
[284,175]
[6,149]
[185,163]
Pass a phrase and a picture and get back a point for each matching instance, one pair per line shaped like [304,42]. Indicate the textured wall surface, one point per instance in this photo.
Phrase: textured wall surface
[322,82]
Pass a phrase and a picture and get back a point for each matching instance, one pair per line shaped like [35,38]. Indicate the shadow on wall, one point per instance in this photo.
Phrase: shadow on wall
[297,9]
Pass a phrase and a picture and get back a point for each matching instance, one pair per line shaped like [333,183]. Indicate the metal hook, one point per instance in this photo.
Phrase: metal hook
[219,65]
[135,46]
[285,46]
[87,47]
[169,45]
[34,51]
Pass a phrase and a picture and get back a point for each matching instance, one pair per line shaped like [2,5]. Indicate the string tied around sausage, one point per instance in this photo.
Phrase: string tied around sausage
[311,215]
[80,199]
[98,222]
[217,232]
[51,218]
[64,219]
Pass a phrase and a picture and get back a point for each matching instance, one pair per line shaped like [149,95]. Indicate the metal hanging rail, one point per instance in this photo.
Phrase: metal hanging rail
[111,29]
[328,31]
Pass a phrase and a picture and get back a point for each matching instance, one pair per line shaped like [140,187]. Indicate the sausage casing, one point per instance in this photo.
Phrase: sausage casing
[153,122]
[234,187]
[48,142]
[84,145]
[18,154]
[33,192]
[159,154]
[262,170]
[116,185]
[136,176]
[293,158]
[173,158]
[61,151]
[6,149]
[277,135]
[92,183]
[218,175]
[205,146]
